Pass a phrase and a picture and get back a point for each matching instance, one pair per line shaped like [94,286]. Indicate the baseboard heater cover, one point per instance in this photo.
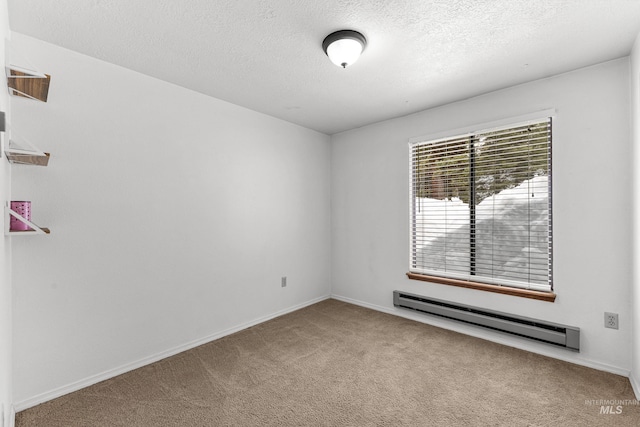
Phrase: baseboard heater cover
[550,333]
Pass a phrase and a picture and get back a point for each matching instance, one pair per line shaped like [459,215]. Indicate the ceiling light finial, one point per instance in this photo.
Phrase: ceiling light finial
[344,47]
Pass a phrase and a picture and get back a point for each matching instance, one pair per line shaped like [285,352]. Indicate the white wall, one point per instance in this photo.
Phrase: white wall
[592,205]
[635,119]
[5,247]
[173,218]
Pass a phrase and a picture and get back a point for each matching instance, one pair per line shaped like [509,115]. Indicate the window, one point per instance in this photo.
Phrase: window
[481,207]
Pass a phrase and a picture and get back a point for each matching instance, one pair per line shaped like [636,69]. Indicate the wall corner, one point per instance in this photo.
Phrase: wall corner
[635,284]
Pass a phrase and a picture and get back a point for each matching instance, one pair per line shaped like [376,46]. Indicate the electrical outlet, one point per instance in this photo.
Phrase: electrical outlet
[611,320]
[283,282]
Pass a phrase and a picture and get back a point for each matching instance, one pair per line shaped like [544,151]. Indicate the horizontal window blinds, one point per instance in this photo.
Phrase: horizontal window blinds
[481,206]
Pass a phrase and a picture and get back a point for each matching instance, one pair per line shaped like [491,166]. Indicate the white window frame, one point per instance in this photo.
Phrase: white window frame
[470,131]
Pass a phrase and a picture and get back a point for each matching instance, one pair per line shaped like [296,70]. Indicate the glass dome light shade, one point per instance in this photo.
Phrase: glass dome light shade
[344,47]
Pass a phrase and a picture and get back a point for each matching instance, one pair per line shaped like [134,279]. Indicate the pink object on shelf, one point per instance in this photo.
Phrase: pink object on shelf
[23,209]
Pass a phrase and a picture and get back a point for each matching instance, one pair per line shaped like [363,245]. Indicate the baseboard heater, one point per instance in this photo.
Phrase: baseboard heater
[551,333]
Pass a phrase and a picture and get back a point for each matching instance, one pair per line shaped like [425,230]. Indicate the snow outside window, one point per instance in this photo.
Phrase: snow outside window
[481,206]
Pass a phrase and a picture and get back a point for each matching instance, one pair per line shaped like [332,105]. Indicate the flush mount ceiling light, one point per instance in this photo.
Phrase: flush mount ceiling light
[344,47]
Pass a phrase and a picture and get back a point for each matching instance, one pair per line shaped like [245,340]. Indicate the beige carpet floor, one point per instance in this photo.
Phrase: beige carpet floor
[336,364]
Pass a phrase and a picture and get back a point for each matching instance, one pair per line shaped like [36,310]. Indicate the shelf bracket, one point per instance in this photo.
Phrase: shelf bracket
[11,213]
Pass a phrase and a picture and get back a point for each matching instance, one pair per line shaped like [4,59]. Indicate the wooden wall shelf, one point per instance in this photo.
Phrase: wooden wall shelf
[39,230]
[24,157]
[28,83]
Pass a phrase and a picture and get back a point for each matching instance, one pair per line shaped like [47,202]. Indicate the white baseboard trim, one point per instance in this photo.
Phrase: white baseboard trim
[519,343]
[635,384]
[94,379]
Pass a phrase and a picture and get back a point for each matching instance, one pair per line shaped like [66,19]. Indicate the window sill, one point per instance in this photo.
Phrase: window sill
[524,293]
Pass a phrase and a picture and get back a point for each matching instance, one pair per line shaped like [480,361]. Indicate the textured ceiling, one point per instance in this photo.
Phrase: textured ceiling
[266,55]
